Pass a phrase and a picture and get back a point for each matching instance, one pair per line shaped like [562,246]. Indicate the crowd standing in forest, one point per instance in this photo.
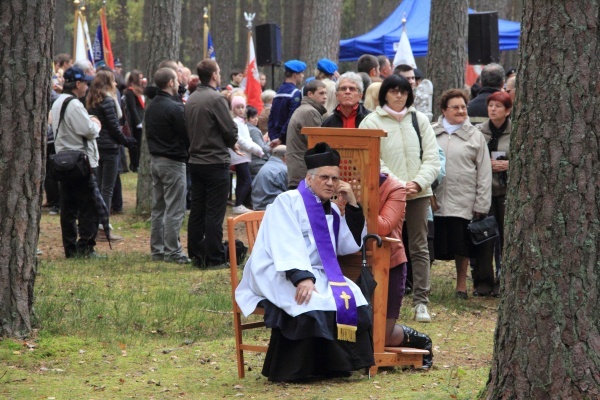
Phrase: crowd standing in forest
[435,178]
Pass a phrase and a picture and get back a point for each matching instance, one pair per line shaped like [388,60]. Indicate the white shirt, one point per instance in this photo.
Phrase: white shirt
[285,241]
[76,126]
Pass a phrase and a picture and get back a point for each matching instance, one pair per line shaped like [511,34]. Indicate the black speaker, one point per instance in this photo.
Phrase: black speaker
[484,46]
[268,44]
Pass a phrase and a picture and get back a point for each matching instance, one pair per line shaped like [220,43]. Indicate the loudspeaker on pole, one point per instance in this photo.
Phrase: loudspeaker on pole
[268,44]
[483,42]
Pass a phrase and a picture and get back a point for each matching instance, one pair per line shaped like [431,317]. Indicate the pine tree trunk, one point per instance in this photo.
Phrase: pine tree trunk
[223,34]
[163,35]
[61,44]
[119,39]
[386,8]
[547,341]
[447,56]
[323,38]
[27,34]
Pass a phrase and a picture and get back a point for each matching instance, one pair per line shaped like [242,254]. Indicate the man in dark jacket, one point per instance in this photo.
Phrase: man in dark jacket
[168,144]
[310,113]
[286,101]
[350,112]
[212,132]
[492,80]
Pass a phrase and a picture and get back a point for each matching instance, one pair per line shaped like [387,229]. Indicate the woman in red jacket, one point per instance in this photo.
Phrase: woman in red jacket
[392,206]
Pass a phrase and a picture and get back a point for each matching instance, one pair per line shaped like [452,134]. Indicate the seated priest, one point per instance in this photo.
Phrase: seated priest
[320,321]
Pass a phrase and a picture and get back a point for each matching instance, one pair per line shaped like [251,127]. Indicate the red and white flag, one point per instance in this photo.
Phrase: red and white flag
[253,88]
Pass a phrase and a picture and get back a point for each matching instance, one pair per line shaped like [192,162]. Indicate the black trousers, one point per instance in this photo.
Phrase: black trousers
[210,188]
[134,152]
[78,218]
[484,279]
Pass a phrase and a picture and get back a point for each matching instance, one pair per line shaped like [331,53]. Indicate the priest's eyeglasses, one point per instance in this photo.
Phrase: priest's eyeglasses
[326,178]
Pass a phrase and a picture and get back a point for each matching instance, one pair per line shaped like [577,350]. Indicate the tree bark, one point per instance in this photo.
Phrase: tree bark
[323,38]
[163,35]
[61,44]
[547,341]
[223,34]
[119,40]
[447,56]
[386,8]
[26,37]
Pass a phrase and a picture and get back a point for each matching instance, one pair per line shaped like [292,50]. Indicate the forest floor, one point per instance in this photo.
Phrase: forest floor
[127,327]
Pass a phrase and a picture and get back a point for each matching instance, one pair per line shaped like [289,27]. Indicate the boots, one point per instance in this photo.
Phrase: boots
[418,340]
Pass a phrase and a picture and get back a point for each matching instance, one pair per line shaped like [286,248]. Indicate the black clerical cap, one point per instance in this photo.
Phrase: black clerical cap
[321,156]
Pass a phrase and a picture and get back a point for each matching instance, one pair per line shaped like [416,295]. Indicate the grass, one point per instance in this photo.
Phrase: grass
[127,327]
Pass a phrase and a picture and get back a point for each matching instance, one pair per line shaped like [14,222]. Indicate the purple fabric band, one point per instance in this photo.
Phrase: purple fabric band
[344,297]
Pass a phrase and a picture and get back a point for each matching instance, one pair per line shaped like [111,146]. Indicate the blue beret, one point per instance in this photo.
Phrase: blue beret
[327,66]
[295,66]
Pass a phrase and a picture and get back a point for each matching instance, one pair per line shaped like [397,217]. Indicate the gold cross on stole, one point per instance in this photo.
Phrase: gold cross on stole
[346,297]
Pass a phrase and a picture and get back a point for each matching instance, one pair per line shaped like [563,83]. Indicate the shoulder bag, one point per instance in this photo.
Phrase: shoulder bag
[68,165]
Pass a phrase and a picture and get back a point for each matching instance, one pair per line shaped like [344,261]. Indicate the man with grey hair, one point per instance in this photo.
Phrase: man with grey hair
[271,180]
[492,80]
[350,112]
[86,66]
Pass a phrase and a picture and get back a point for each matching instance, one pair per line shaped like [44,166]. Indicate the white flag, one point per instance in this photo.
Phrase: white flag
[404,54]
[80,47]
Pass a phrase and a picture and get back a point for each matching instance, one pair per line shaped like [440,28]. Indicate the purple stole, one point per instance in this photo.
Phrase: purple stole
[346,315]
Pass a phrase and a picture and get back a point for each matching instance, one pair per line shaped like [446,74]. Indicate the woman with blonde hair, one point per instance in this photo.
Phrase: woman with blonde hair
[372,96]
[101,102]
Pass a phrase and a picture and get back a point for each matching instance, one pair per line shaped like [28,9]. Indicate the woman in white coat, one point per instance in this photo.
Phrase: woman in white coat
[241,162]
[413,158]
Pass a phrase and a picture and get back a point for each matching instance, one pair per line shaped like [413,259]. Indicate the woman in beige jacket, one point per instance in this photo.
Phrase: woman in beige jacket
[466,191]
[413,158]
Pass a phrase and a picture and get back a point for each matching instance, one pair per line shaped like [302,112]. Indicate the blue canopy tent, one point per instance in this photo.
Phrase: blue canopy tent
[381,39]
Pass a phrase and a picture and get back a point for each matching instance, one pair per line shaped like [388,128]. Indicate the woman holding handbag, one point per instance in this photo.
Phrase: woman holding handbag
[497,134]
[465,193]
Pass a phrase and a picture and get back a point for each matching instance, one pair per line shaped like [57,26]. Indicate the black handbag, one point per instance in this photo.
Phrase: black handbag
[68,165]
[484,229]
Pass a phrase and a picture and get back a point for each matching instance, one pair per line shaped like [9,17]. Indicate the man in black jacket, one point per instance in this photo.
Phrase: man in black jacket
[350,112]
[492,80]
[168,143]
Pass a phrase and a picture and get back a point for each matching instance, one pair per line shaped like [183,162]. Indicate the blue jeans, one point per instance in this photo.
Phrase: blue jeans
[168,206]
[210,188]
[108,166]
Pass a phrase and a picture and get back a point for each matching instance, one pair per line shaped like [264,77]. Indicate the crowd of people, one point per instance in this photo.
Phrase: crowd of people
[435,179]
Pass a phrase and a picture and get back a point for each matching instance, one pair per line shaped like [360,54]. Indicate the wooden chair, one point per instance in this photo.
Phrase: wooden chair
[252,222]
[359,152]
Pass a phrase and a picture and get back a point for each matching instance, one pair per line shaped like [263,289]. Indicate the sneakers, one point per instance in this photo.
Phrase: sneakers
[54,210]
[241,209]
[421,314]
[180,259]
[158,257]
[101,237]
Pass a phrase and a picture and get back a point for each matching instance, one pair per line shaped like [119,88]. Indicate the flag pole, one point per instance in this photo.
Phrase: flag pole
[249,18]
[75,23]
[205,54]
